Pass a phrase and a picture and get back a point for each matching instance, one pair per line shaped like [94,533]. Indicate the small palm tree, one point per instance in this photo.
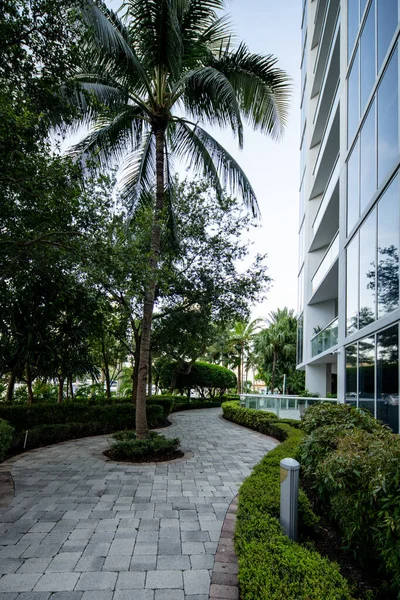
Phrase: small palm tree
[241,337]
[158,76]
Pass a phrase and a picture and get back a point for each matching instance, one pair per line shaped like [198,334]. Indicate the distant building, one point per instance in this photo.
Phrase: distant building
[349,232]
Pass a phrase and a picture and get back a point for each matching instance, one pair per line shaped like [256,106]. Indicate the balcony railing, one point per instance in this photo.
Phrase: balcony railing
[325,339]
[284,406]
[333,179]
[326,263]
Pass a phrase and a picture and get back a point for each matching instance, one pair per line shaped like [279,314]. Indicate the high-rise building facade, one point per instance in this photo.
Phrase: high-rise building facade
[349,229]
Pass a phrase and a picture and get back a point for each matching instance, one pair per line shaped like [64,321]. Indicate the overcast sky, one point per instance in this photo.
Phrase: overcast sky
[270,27]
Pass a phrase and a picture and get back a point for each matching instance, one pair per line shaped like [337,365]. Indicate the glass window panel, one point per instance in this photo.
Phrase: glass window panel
[353,188]
[352,286]
[367,56]
[387,23]
[351,372]
[301,244]
[368,159]
[366,369]
[353,21]
[387,377]
[367,271]
[388,250]
[388,121]
[353,100]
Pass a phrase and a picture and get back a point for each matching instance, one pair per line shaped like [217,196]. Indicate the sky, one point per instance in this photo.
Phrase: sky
[270,27]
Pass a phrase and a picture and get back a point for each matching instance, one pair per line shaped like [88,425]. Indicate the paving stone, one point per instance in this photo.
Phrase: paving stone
[169,595]
[164,579]
[35,565]
[34,596]
[96,581]
[173,561]
[65,596]
[60,582]
[117,563]
[196,581]
[10,565]
[202,561]
[193,548]
[139,595]
[97,595]
[132,580]
[122,547]
[19,583]
[64,562]
[143,563]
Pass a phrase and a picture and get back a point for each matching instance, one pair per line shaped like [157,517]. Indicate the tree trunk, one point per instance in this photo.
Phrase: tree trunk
[135,372]
[71,388]
[10,387]
[240,376]
[149,378]
[142,429]
[106,371]
[273,373]
[60,390]
[31,399]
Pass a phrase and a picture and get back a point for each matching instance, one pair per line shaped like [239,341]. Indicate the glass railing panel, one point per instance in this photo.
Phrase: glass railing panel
[284,406]
[325,339]
[326,263]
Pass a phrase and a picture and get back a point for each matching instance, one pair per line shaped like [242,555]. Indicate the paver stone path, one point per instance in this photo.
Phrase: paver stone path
[84,528]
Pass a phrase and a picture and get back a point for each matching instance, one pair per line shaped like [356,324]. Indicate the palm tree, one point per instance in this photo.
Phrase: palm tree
[158,75]
[241,338]
[276,345]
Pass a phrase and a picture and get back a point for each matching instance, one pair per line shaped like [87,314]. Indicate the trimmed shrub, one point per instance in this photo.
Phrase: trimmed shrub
[128,448]
[271,566]
[204,377]
[50,424]
[326,425]
[6,436]
[259,420]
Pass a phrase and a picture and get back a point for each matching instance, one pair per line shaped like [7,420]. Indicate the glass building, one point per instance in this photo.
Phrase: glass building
[349,226]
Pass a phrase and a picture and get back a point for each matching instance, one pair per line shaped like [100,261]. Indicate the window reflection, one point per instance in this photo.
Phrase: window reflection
[388,250]
[387,377]
[387,22]
[366,371]
[352,286]
[353,20]
[367,271]
[351,372]
[367,62]
[368,159]
[388,127]
[353,188]
[353,100]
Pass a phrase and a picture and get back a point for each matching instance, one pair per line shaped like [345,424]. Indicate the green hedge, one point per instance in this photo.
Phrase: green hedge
[354,462]
[272,567]
[6,437]
[259,420]
[127,447]
[50,424]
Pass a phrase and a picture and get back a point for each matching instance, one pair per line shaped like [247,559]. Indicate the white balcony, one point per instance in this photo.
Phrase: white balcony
[325,339]
[330,257]
[326,222]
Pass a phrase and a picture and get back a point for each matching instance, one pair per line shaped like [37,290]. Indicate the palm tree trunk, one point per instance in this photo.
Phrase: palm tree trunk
[273,372]
[29,383]
[10,387]
[60,390]
[142,429]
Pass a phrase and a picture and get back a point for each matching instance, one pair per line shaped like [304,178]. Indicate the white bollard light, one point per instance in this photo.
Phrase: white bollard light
[290,469]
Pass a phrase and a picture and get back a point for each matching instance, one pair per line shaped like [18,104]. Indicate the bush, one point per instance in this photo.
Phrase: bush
[326,424]
[6,436]
[128,448]
[204,377]
[259,420]
[354,463]
[52,423]
[272,567]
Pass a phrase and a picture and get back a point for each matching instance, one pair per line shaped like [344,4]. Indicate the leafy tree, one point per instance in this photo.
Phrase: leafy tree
[157,78]
[240,342]
[204,377]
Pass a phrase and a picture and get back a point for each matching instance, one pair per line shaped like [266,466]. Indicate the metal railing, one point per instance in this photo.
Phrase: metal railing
[326,338]
[284,406]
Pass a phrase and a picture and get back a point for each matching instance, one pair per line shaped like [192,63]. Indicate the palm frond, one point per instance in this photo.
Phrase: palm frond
[217,164]
[112,137]
[187,146]
[138,173]
[262,89]
[112,38]
[209,97]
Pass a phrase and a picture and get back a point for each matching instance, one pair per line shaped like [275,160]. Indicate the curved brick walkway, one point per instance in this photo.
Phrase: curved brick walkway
[82,528]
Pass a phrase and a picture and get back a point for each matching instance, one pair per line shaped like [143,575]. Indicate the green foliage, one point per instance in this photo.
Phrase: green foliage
[259,420]
[52,423]
[353,461]
[6,436]
[272,567]
[204,377]
[128,448]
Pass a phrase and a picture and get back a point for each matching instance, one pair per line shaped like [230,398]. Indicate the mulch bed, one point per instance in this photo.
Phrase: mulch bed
[159,457]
